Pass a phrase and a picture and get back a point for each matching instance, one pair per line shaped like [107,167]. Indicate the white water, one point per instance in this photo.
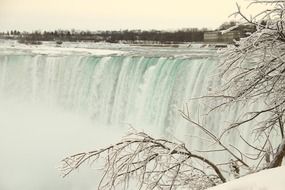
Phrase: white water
[54,105]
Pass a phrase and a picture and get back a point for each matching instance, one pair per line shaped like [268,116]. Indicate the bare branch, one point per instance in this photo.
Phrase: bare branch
[141,156]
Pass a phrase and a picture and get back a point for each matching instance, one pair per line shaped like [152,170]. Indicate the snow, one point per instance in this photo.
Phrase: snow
[272,179]
[58,50]
[49,50]
[106,49]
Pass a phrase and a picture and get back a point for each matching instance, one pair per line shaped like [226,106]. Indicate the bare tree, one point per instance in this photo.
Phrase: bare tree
[253,71]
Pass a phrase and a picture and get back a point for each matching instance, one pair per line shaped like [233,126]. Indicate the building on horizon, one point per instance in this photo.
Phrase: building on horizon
[217,36]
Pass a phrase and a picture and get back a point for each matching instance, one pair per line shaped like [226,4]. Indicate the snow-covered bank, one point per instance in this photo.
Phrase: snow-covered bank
[272,179]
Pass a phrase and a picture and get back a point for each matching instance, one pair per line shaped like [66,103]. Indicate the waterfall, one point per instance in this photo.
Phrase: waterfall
[56,105]
[142,91]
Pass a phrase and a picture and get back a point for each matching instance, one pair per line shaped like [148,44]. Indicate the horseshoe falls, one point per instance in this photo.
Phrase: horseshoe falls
[58,101]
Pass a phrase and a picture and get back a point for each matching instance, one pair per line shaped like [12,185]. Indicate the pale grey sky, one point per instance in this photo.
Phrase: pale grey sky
[114,14]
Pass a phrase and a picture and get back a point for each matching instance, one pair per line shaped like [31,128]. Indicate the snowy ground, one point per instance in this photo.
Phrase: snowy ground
[272,179]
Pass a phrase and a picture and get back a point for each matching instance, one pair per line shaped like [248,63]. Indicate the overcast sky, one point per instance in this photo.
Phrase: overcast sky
[114,14]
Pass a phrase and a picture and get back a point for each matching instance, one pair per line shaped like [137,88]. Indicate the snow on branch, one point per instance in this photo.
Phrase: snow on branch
[155,163]
[253,72]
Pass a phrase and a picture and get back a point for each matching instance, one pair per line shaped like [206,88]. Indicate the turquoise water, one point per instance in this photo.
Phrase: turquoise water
[142,91]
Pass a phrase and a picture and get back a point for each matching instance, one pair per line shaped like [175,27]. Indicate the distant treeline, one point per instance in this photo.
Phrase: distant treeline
[187,35]
[127,36]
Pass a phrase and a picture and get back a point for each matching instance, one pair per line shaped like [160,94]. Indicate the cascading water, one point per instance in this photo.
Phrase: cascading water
[56,105]
[141,91]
